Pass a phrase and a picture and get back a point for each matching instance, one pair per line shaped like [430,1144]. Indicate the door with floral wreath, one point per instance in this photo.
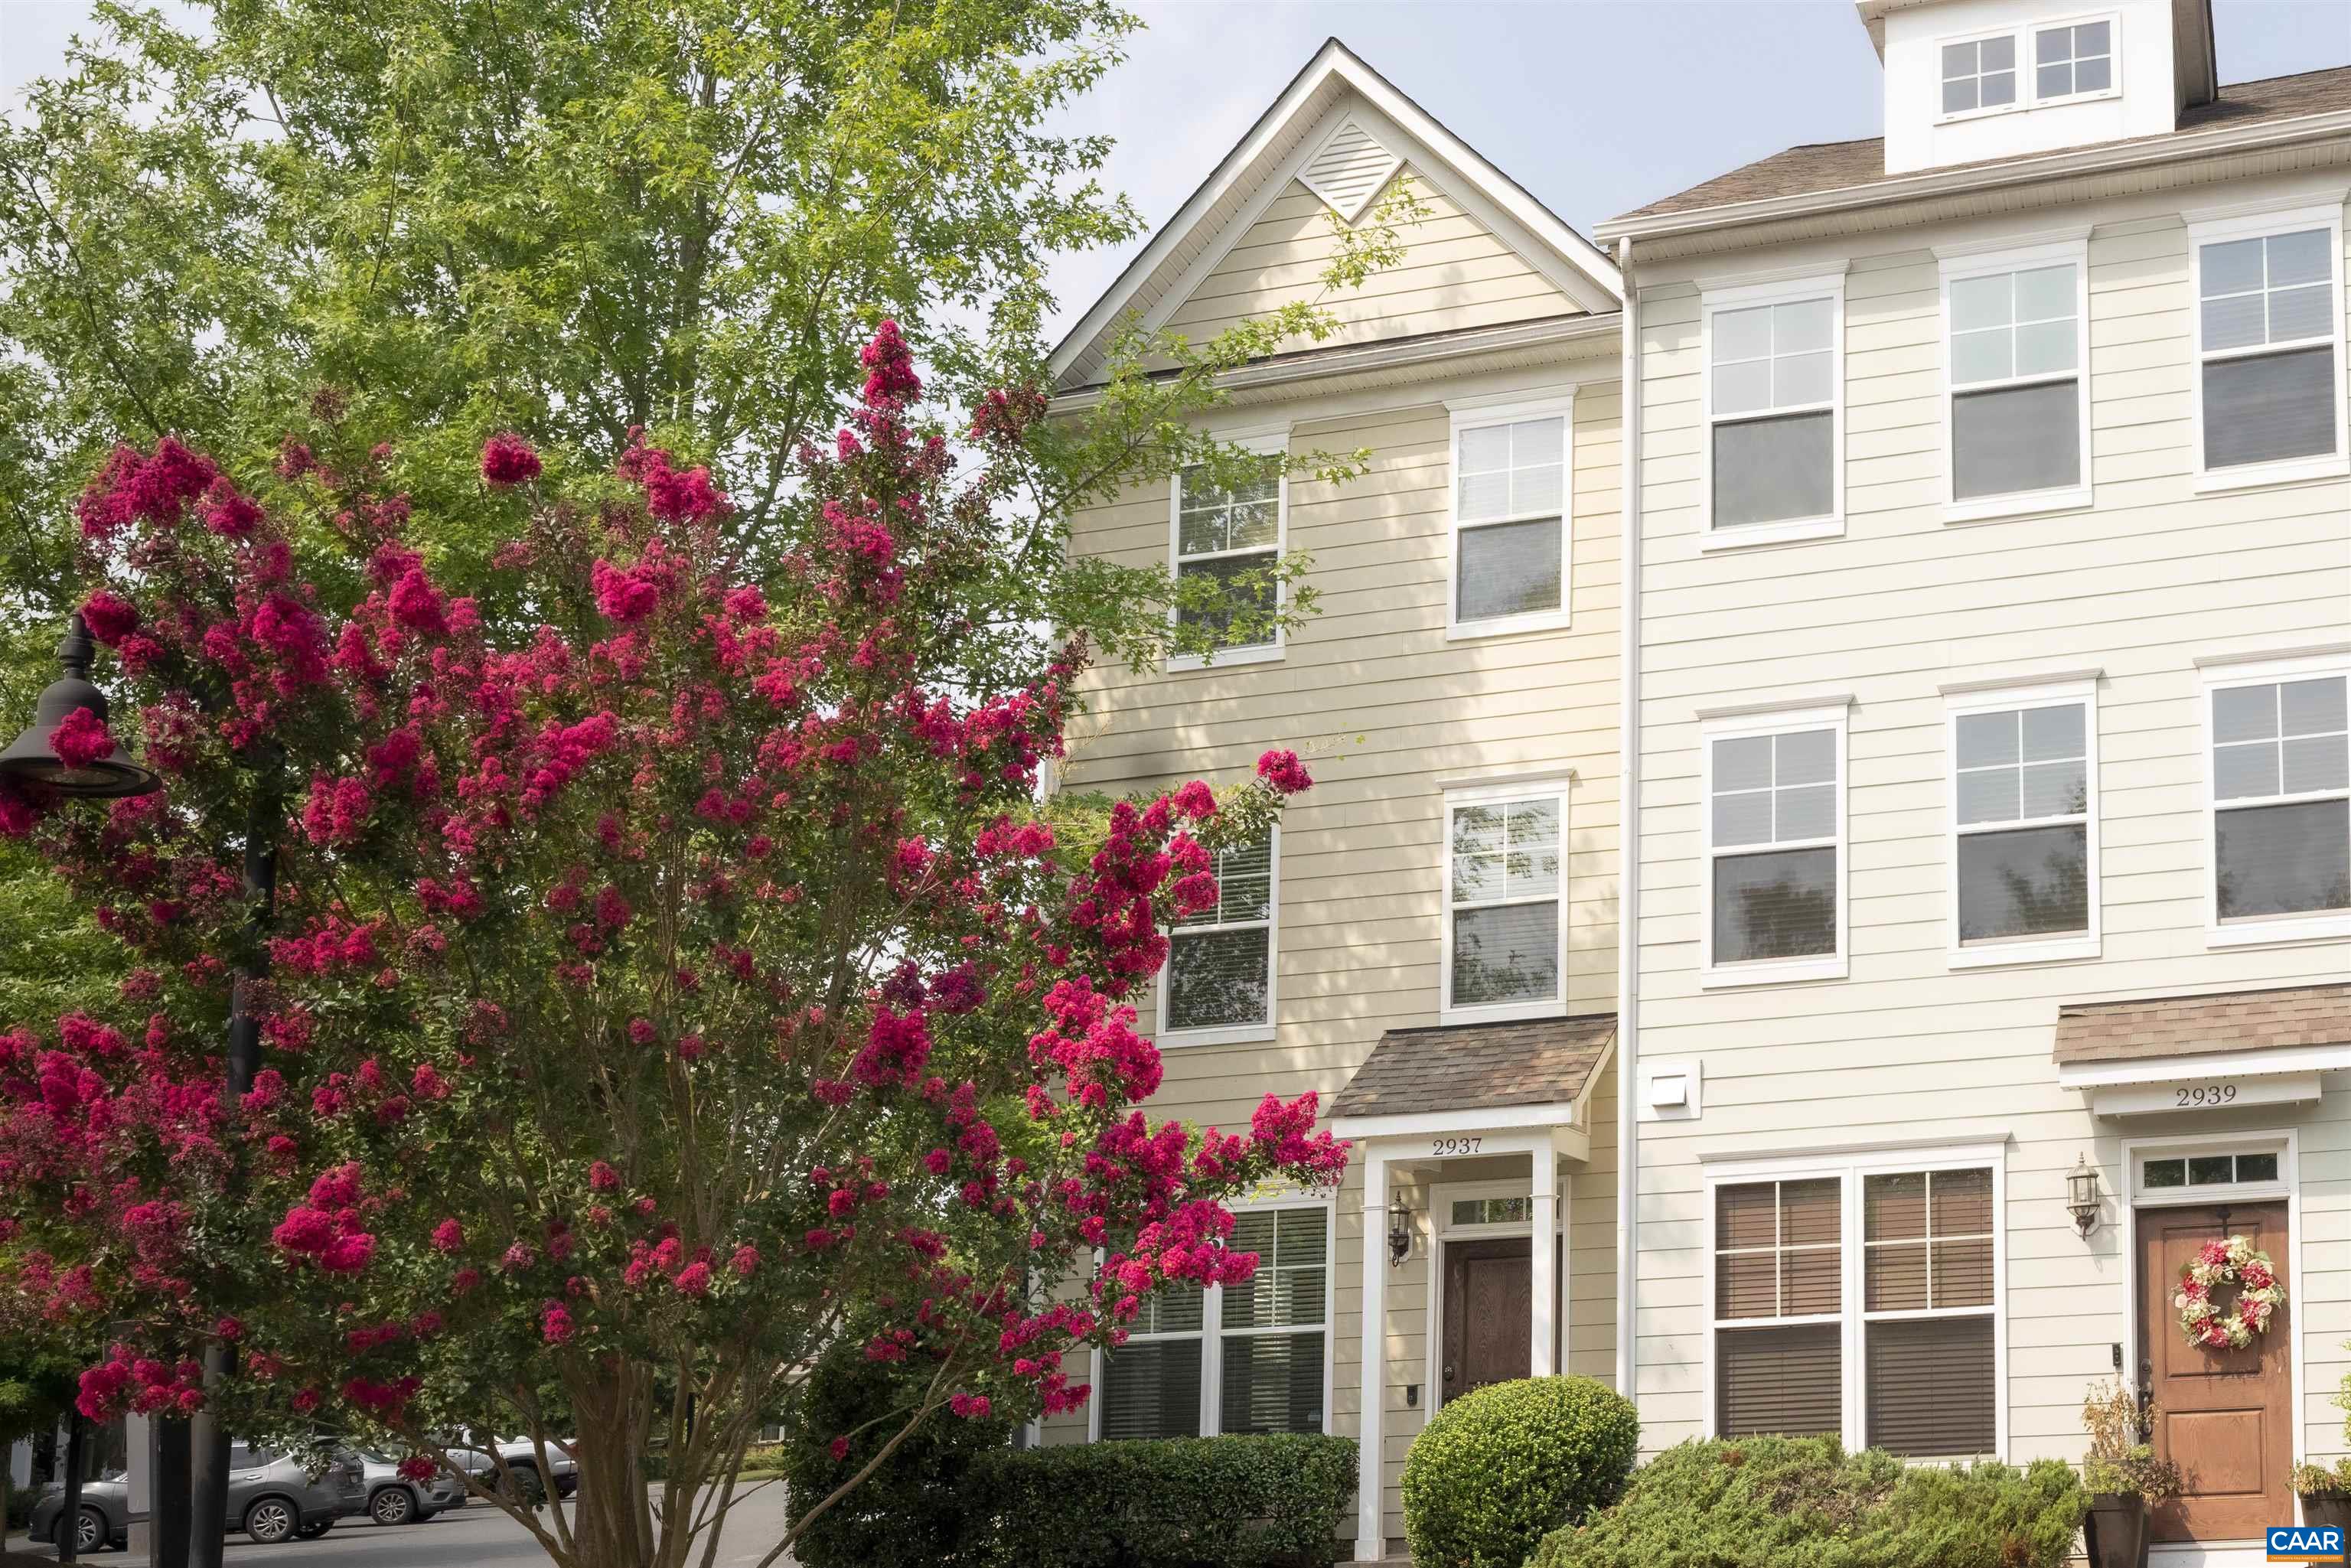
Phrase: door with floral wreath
[2227,1411]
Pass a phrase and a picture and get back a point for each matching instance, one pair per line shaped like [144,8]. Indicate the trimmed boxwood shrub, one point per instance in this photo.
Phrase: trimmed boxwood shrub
[1804,1503]
[1269,1501]
[1502,1466]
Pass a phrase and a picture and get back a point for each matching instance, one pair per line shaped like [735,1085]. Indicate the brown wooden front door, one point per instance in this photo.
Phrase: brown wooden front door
[1489,1295]
[2227,1416]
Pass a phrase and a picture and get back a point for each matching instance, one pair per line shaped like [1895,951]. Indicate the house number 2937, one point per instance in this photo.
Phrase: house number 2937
[1454,1146]
[2193,1096]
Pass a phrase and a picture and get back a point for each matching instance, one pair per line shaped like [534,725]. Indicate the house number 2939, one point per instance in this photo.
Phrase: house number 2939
[2194,1096]
[1456,1145]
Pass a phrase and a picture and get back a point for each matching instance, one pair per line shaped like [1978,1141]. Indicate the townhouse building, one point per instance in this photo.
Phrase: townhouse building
[1994,601]
[1829,878]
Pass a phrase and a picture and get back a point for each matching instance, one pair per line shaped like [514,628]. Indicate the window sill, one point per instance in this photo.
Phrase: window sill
[2285,929]
[1236,1034]
[2102,95]
[1746,536]
[1225,660]
[1501,1013]
[2000,954]
[1771,972]
[2252,476]
[1505,626]
[2026,504]
[1994,112]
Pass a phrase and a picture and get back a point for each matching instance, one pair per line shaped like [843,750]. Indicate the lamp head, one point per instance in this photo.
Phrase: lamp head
[30,759]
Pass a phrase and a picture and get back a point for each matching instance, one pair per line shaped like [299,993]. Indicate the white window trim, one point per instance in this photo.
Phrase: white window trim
[1831,715]
[1849,1169]
[1479,414]
[2023,98]
[1239,1033]
[1271,443]
[1211,1331]
[2028,54]
[2261,931]
[2251,226]
[1488,795]
[2028,949]
[2018,503]
[2256,1140]
[1787,530]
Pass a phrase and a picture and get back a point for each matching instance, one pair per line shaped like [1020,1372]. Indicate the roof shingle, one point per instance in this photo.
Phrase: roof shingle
[2155,1027]
[1844,165]
[1479,1066]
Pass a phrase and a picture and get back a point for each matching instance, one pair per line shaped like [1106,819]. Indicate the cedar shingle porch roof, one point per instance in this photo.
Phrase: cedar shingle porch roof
[2152,1028]
[1479,1066]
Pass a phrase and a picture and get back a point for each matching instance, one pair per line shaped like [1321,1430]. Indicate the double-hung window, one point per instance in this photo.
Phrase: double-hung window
[1200,1362]
[1512,522]
[1505,940]
[1274,1329]
[1778,1266]
[1154,1386]
[2018,417]
[2024,838]
[1856,1297]
[2073,61]
[1220,974]
[2269,344]
[1232,536]
[1775,846]
[1774,436]
[2280,782]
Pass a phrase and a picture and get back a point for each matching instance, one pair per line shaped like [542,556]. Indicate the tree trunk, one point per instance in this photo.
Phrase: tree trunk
[611,1524]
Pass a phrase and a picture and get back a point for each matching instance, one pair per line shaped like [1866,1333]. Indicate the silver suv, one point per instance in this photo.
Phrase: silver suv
[271,1498]
[394,1498]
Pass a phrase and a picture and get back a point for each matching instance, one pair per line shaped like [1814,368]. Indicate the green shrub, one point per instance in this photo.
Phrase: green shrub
[915,1511]
[1267,1502]
[1804,1503]
[1500,1467]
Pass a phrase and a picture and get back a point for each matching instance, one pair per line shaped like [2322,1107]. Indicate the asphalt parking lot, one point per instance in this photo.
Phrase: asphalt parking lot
[475,1537]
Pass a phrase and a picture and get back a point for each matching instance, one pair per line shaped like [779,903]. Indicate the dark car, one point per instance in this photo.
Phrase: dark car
[271,1498]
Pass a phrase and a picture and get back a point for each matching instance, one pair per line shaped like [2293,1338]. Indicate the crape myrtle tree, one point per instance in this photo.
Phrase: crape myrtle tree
[673,976]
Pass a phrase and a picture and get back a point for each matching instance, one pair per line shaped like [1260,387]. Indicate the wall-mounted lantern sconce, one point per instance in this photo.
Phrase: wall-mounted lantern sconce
[2082,1195]
[1399,1236]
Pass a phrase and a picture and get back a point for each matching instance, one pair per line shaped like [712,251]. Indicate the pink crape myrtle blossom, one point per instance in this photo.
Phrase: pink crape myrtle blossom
[581,1050]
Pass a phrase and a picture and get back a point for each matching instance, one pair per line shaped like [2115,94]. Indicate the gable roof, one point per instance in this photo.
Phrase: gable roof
[1260,163]
[1823,167]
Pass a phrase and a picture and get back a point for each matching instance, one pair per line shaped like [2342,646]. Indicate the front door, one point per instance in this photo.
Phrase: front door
[1490,1296]
[2227,1416]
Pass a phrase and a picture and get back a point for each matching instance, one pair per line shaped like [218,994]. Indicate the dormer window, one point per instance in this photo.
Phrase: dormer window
[2072,60]
[1979,75]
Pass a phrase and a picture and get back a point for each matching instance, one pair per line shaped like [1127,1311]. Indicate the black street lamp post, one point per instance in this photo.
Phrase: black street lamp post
[191,1512]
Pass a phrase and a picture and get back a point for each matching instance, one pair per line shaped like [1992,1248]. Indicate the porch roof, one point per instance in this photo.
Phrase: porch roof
[1479,1066]
[2224,1023]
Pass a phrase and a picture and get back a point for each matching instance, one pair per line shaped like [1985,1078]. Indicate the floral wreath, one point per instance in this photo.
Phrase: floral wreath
[2216,1263]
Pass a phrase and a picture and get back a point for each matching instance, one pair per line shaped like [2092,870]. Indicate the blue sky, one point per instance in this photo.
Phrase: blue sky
[1596,106]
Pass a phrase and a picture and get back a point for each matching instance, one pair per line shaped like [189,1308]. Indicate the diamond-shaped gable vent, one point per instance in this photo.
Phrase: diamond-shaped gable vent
[1349,171]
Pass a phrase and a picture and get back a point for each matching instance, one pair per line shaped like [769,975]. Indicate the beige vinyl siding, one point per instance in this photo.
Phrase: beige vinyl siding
[1381,705]
[1455,273]
[1910,1048]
